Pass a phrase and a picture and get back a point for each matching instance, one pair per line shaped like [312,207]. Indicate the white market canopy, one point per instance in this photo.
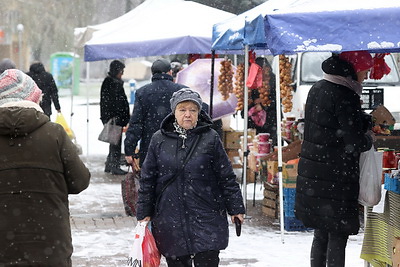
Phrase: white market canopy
[154,28]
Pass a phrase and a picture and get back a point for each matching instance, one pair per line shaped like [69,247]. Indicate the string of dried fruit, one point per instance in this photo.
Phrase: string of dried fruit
[225,79]
[285,80]
[264,90]
[239,86]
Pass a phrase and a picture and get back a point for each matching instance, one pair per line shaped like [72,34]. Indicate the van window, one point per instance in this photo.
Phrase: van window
[311,71]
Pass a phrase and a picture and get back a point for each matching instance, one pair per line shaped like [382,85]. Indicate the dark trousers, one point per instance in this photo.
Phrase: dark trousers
[202,259]
[114,155]
[328,249]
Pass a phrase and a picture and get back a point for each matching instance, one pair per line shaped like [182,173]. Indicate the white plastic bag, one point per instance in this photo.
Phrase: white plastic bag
[136,253]
[370,177]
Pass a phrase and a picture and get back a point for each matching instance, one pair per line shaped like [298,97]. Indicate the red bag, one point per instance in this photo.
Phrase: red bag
[129,191]
[255,79]
[151,255]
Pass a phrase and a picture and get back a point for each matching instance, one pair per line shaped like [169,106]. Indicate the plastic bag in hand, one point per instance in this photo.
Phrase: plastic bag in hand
[151,255]
[370,177]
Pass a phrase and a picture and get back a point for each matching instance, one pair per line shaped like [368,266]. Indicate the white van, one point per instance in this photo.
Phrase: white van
[306,70]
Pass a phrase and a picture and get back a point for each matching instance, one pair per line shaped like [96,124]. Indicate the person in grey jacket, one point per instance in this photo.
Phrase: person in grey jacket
[39,168]
[189,220]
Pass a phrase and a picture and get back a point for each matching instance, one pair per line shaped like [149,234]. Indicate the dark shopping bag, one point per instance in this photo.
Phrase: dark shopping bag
[111,132]
[129,190]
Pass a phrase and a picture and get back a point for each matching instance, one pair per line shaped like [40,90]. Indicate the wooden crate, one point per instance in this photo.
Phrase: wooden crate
[270,205]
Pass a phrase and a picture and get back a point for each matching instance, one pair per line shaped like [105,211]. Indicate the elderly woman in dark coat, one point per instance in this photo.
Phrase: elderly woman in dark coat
[328,174]
[189,219]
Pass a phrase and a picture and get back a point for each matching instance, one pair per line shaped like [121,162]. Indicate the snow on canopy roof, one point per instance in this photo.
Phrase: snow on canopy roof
[286,27]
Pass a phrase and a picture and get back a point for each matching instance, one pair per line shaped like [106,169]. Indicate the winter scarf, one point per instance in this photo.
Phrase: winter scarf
[181,132]
[345,81]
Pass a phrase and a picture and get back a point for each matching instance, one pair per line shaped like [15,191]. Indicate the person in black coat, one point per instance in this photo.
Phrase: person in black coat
[114,104]
[328,173]
[150,108]
[46,83]
[188,216]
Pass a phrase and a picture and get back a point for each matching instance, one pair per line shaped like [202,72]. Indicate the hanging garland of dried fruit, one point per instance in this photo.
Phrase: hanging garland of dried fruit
[239,86]
[264,90]
[225,79]
[285,68]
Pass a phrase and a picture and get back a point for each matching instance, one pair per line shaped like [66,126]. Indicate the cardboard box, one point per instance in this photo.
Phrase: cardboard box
[383,116]
[232,139]
[289,175]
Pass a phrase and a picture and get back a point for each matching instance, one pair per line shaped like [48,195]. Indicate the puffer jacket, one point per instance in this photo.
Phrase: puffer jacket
[328,173]
[39,167]
[190,216]
[46,83]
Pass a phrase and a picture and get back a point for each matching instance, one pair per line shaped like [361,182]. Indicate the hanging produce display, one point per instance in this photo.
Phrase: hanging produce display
[285,68]
[225,79]
[239,86]
[226,85]
[264,90]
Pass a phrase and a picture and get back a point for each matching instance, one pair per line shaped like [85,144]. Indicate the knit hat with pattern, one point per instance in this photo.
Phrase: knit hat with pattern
[185,94]
[16,86]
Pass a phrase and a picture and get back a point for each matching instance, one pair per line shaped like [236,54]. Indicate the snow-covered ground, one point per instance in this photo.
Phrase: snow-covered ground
[258,246]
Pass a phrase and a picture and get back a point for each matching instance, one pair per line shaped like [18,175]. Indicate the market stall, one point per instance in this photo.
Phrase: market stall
[286,27]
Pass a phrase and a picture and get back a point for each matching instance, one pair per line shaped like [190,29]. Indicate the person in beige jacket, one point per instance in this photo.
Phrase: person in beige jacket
[39,167]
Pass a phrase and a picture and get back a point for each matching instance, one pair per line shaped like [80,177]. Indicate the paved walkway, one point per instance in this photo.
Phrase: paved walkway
[98,220]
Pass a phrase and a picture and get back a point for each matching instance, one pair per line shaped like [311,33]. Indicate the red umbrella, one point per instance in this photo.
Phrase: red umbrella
[197,76]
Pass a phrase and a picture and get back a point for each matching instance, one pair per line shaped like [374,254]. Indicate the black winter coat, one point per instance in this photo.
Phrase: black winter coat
[191,214]
[328,173]
[150,108]
[46,83]
[113,101]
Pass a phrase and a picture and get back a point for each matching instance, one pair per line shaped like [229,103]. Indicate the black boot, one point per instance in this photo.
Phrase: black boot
[107,169]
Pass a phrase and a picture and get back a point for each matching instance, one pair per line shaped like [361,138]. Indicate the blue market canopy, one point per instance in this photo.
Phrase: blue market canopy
[154,28]
[291,26]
